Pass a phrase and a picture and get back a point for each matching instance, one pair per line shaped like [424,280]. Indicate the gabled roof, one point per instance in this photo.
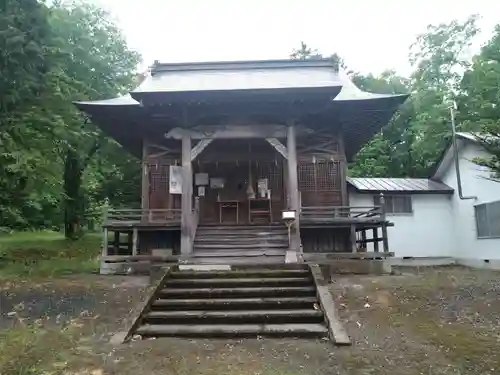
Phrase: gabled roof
[446,158]
[398,185]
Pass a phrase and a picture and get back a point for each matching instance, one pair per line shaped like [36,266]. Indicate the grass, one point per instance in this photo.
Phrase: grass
[47,254]
[30,350]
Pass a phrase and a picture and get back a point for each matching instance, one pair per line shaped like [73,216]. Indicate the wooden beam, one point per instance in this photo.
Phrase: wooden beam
[318,257]
[145,176]
[200,146]
[233,131]
[278,146]
[187,196]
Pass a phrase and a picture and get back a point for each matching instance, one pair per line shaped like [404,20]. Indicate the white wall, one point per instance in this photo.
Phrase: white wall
[474,183]
[427,232]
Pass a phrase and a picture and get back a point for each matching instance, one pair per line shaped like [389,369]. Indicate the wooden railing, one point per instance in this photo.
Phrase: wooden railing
[142,216]
[327,214]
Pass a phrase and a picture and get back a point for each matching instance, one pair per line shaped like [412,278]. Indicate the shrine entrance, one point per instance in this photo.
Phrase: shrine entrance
[239,182]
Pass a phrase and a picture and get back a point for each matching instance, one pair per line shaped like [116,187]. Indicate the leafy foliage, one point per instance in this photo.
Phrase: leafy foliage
[54,159]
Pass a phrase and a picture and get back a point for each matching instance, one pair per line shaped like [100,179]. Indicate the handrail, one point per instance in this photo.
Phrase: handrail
[142,216]
[327,213]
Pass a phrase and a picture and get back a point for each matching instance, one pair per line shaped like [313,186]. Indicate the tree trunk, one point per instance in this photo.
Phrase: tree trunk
[73,199]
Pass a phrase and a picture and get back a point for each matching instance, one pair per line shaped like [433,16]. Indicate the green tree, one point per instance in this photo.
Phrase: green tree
[304,52]
[479,104]
[28,178]
[414,139]
[93,62]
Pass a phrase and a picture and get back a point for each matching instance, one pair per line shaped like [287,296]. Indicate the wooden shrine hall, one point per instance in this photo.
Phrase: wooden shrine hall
[244,162]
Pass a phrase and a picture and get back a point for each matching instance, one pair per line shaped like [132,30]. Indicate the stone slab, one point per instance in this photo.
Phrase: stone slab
[336,330]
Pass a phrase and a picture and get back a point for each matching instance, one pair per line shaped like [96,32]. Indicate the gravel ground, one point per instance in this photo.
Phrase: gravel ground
[437,321]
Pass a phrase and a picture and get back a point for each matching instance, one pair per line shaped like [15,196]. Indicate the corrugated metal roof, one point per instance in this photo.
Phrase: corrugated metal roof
[244,75]
[413,185]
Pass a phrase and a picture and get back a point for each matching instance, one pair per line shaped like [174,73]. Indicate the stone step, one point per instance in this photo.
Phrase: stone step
[232,317]
[236,252]
[240,273]
[281,291]
[240,282]
[234,330]
[245,303]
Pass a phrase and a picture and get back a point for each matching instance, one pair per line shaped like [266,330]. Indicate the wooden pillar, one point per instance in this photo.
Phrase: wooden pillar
[293,185]
[145,176]
[134,241]
[363,240]
[343,171]
[375,240]
[116,244]
[187,196]
[385,239]
[354,246]
[105,242]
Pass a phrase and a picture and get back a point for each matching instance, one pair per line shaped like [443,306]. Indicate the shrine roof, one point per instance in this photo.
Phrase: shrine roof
[240,75]
[316,92]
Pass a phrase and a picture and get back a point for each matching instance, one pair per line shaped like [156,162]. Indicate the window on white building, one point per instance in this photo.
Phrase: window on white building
[395,204]
[488,219]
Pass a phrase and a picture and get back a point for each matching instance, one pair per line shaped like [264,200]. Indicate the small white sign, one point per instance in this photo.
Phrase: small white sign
[288,215]
[175,180]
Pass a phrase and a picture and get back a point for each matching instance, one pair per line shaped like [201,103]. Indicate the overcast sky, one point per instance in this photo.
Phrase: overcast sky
[370,35]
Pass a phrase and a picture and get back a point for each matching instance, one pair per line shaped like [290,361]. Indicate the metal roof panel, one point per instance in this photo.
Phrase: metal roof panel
[412,185]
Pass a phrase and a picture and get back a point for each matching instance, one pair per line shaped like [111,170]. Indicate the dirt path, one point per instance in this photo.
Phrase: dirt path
[441,321]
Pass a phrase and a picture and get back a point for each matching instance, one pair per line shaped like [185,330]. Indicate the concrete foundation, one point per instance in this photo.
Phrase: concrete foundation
[357,266]
[491,264]
[422,261]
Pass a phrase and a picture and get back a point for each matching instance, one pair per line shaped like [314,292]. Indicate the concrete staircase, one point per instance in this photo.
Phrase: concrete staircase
[238,244]
[245,302]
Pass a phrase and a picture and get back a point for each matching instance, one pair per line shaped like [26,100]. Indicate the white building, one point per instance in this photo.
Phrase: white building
[433,224]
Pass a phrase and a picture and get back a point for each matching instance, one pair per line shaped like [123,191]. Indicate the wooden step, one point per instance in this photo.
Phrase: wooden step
[235,261]
[240,282]
[240,273]
[236,253]
[234,330]
[222,245]
[231,317]
[243,232]
[281,291]
[256,303]
[239,239]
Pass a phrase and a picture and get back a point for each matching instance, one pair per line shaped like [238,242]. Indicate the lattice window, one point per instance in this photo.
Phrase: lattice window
[158,175]
[307,180]
[319,176]
[273,171]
